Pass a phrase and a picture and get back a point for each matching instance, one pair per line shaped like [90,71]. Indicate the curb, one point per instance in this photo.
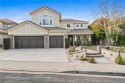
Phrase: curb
[80,73]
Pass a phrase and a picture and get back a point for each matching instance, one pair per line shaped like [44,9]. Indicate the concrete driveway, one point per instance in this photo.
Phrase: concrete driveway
[44,55]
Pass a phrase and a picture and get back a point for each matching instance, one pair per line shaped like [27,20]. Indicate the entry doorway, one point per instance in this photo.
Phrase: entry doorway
[71,39]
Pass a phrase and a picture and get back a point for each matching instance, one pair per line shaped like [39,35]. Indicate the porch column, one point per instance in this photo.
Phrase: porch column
[46,41]
[75,38]
[89,38]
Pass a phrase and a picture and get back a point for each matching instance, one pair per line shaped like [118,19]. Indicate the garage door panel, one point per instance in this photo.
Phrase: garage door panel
[29,42]
[18,43]
[56,41]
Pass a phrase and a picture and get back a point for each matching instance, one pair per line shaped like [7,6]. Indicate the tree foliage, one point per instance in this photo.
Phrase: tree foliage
[110,12]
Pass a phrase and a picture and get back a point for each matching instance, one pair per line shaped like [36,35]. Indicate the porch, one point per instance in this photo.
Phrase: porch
[81,35]
[84,39]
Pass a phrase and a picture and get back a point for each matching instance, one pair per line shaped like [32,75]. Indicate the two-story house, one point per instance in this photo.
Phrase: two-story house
[4,25]
[48,30]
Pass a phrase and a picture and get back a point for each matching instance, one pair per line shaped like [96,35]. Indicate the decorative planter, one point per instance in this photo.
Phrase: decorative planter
[111,55]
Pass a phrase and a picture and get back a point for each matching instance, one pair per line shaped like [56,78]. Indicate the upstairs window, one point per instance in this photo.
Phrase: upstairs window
[46,20]
[68,25]
[79,25]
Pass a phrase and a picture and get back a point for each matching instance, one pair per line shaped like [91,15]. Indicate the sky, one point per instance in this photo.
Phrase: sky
[18,10]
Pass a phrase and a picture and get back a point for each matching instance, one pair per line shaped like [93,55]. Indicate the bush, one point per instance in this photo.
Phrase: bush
[91,60]
[78,43]
[6,43]
[73,49]
[82,58]
[88,44]
[119,60]
[121,40]
[107,47]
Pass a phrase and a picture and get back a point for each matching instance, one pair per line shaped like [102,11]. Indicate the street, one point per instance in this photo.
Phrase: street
[50,78]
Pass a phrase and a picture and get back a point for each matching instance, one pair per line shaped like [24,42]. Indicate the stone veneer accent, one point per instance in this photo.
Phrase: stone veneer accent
[46,41]
[11,42]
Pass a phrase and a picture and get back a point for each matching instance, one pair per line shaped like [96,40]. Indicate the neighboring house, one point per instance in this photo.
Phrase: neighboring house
[3,35]
[4,25]
[48,30]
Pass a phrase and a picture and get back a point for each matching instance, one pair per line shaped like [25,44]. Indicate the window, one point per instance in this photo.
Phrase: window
[46,20]
[81,25]
[68,25]
[77,25]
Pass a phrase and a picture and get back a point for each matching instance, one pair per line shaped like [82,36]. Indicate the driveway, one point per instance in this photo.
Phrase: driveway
[44,55]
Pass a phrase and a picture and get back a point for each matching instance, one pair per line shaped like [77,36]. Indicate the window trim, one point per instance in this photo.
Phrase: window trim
[49,19]
[69,25]
[79,25]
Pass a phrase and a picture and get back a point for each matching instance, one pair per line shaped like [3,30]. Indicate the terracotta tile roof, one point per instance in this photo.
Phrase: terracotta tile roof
[73,20]
[7,21]
[2,31]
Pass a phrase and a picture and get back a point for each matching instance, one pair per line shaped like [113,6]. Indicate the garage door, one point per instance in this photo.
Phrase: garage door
[29,42]
[56,41]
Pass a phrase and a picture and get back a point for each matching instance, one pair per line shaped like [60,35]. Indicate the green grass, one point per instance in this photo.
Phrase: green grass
[92,47]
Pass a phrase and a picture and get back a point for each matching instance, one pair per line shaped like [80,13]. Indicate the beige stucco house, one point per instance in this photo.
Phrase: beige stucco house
[48,30]
[4,25]
[3,35]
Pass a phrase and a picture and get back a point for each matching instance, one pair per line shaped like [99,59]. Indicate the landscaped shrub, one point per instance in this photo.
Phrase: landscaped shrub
[119,60]
[88,44]
[73,49]
[82,58]
[67,42]
[78,43]
[121,40]
[6,43]
[91,60]
[107,47]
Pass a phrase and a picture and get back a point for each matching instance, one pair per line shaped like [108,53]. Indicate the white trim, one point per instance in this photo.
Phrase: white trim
[41,20]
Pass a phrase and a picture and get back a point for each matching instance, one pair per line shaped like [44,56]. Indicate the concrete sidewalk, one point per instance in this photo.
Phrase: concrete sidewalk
[60,67]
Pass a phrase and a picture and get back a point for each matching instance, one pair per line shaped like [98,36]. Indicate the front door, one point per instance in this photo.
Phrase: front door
[71,39]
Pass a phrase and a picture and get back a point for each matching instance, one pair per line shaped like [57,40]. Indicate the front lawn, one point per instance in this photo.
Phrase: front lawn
[92,48]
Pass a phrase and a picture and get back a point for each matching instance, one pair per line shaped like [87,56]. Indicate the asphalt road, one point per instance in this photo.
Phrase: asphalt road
[46,78]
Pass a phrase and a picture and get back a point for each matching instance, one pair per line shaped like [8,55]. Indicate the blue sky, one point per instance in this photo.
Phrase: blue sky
[18,10]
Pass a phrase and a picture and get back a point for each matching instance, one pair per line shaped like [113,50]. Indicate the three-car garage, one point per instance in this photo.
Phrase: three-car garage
[38,42]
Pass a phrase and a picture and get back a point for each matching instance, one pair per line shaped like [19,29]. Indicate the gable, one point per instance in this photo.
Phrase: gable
[56,17]
[45,8]
[27,28]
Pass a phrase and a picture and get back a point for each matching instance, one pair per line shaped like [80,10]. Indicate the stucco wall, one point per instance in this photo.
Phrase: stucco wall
[111,55]
[73,25]
[36,17]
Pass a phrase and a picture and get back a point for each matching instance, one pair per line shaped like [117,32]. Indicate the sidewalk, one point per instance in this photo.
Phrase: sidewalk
[60,67]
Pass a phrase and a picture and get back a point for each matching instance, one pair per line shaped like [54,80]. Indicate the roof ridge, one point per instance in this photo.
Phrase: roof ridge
[43,8]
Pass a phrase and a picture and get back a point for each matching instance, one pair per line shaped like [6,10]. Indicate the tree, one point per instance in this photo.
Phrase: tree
[110,12]
[122,26]
[98,32]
